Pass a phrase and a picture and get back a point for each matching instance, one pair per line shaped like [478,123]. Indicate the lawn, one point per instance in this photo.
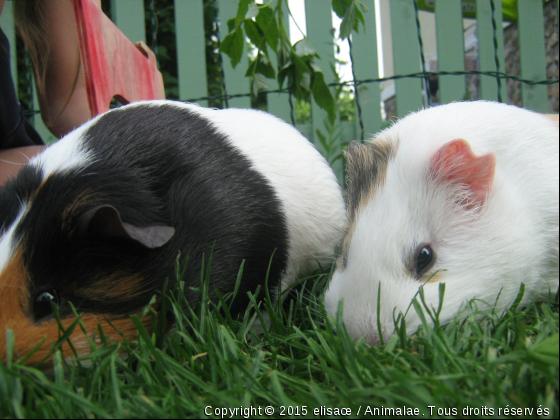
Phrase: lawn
[303,365]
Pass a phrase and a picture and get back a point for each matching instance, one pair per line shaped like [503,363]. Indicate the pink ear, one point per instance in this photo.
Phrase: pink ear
[455,162]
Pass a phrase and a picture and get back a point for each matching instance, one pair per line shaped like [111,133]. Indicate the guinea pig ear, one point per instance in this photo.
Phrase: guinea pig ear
[353,148]
[455,162]
[105,221]
[359,170]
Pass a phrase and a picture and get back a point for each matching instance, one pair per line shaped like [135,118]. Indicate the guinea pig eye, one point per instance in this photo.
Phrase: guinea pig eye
[42,308]
[424,259]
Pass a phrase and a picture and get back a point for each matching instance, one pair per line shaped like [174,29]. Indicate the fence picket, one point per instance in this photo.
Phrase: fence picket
[364,53]
[191,54]
[129,18]
[191,59]
[234,78]
[319,32]
[406,56]
[319,25]
[532,54]
[486,53]
[451,50]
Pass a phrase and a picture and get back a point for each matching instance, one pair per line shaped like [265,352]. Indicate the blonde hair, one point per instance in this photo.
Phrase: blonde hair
[31,24]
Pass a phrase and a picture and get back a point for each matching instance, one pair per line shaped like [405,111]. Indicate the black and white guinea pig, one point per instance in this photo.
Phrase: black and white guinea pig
[98,219]
[464,194]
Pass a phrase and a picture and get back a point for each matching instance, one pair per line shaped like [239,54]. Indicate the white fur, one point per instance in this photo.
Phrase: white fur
[7,243]
[65,154]
[62,156]
[512,240]
[300,176]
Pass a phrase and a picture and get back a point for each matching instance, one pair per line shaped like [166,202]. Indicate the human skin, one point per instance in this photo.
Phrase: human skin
[64,105]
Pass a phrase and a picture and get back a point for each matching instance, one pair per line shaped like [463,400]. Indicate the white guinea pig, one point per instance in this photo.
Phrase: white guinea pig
[464,194]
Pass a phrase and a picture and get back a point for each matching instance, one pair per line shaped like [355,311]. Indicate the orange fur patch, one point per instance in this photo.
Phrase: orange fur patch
[14,315]
[117,287]
[14,289]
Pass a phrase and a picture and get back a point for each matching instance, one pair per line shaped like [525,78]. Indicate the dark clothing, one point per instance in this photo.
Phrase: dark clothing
[15,131]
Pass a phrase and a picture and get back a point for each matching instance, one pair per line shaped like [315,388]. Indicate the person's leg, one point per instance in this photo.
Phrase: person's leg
[50,34]
[12,160]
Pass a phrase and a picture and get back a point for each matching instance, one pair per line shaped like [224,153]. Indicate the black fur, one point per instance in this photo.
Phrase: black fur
[158,166]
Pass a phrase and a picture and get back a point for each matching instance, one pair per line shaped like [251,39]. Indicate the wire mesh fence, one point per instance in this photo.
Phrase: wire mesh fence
[222,96]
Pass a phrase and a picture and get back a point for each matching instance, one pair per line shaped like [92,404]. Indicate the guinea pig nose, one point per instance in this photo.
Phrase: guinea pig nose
[42,307]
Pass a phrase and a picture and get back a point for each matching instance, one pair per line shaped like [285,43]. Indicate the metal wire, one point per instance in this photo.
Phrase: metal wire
[356,93]
[422,58]
[155,25]
[420,75]
[496,58]
[425,75]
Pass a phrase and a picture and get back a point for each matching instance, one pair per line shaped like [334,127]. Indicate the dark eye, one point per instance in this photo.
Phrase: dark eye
[424,259]
[42,308]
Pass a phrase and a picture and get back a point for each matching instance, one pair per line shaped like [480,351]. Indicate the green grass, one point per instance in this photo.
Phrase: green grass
[483,362]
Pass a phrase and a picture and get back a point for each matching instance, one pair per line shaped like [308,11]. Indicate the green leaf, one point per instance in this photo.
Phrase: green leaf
[322,139]
[305,82]
[304,50]
[232,45]
[283,56]
[350,14]
[254,33]
[265,67]
[261,65]
[267,22]
[339,7]
[302,73]
[231,24]
[253,11]
[258,83]
[360,18]
[322,95]
[348,22]
[283,72]
[242,11]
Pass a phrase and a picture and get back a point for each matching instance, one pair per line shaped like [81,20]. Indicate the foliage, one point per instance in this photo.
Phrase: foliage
[303,361]
[303,112]
[264,26]
[25,80]
[330,142]
[160,37]
[213,57]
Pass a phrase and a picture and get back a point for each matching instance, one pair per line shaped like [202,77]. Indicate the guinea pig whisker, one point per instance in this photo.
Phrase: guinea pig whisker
[14,163]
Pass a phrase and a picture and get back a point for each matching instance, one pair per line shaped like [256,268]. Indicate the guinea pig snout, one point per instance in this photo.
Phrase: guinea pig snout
[365,315]
[358,309]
